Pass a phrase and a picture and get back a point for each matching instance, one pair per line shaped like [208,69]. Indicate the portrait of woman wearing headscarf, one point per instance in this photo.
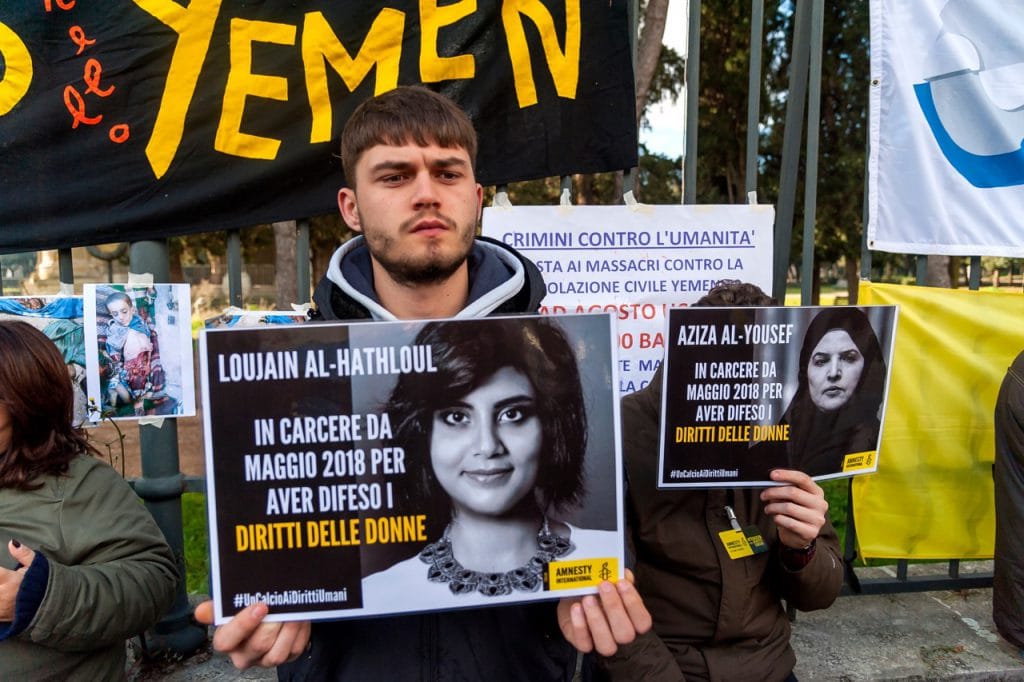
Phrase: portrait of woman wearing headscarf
[835,410]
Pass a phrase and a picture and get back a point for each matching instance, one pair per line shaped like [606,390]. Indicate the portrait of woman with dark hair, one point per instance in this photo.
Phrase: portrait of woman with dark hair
[841,385]
[498,437]
[83,566]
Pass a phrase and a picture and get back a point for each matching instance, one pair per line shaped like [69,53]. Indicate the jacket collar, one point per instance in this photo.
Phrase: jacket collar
[496,275]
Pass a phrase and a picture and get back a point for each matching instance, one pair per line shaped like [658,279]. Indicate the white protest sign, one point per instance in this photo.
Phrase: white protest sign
[637,262]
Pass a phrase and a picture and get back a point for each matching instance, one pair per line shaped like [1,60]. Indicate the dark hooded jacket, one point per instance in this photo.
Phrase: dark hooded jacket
[820,440]
[520,642]
[1008,579]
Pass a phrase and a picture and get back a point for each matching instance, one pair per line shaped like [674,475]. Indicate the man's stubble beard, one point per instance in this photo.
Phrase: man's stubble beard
[429,269]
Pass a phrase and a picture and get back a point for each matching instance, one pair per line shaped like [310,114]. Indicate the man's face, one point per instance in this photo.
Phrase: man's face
[417,207]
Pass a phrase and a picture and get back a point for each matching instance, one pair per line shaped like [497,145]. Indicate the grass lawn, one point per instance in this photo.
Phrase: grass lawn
[197,556]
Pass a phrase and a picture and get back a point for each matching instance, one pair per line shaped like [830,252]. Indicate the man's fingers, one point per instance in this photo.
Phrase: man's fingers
[290,642]
[599,623]
[204,612]
[639,616]
[244,638]
[580,632]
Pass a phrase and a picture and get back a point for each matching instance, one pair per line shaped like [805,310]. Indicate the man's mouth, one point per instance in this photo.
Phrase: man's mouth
[430,227]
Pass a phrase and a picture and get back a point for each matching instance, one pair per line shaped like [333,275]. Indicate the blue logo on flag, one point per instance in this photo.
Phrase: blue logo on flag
[973,92]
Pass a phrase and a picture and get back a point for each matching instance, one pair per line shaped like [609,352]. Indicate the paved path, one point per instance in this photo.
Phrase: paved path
[945,635]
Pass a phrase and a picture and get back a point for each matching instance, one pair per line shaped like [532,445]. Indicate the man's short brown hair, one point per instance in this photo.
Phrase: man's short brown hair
[410,113]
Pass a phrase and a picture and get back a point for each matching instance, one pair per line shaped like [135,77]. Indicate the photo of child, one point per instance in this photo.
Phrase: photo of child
[132,358]
[142,354]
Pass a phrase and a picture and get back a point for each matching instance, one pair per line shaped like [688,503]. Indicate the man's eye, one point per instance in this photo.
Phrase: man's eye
[392,179]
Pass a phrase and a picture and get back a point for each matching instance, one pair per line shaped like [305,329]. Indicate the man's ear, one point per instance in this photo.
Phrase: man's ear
[349,208]
[479,203]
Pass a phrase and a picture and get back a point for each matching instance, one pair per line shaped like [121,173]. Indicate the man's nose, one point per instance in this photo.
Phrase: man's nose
[425,195]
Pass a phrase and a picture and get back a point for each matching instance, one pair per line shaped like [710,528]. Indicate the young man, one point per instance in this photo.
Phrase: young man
[409,159]
[717,618]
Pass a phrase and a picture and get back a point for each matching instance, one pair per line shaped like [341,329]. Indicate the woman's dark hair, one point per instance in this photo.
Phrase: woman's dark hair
[35,388]
[854,322]
[467,354]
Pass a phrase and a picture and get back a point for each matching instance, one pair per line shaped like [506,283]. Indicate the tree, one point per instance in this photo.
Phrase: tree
[842,136]
[285,262]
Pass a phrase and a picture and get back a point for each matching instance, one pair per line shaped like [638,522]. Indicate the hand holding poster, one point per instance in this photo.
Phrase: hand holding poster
[748,390]
[400,467]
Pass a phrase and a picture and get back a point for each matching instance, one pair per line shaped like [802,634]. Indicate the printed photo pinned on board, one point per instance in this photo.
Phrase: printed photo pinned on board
[139,351]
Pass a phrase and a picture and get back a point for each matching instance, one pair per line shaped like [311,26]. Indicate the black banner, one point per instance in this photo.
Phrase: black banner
[133,119]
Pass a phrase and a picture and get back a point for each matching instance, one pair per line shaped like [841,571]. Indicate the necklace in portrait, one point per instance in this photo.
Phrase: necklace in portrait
[443,567]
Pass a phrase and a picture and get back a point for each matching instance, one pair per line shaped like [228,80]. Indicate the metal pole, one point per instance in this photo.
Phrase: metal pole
[235,268]
[65,266]
[811,175]
[302,261]
[754,92]
[692,102]
[791,137]
[974,275]
[865,252]
[161,483]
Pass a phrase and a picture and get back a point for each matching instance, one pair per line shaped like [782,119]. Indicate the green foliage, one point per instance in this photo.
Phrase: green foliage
[669,77]
[835,495]
[843,127]
[197,567]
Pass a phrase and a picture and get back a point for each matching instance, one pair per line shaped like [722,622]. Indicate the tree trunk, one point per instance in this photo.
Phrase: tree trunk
[937,274]
[648,51]
[285,263]
[852,278]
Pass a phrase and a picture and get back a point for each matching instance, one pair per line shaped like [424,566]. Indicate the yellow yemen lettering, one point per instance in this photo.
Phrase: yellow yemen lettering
[17,74]
[242,82]
[194,26]
[564,66]
[433,67]
[381,47]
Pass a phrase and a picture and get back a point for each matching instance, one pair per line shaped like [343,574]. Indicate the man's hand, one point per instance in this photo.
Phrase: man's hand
[616,616]
[248,641]
[798,508]
[10,581]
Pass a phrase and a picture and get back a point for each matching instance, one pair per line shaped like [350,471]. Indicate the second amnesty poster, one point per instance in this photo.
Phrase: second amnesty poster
[363,469]
[748,390]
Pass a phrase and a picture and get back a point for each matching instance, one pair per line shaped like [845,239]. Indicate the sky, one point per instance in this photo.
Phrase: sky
[666,133]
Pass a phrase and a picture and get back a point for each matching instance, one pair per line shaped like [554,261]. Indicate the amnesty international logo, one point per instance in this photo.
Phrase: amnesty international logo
[565,575]
[856,461]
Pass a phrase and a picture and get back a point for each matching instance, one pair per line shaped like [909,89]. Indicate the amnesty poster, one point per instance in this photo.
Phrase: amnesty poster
[748,390]
[363,469]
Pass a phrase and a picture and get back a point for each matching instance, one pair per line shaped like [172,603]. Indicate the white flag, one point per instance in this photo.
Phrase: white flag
[946,170]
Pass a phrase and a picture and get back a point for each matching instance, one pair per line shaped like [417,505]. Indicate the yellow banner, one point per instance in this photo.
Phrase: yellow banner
[931,497]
